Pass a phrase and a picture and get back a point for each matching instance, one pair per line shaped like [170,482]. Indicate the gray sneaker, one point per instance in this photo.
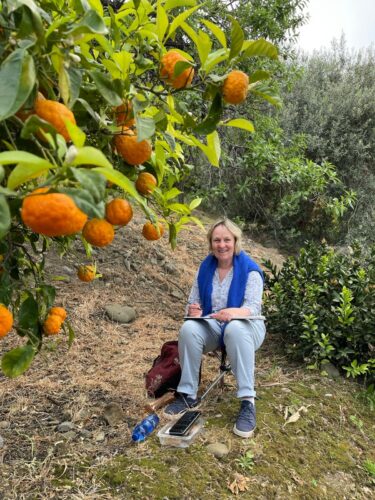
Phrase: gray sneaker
[180,405]
[245,425]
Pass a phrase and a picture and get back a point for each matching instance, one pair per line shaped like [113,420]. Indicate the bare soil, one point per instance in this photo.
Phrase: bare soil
[105,368]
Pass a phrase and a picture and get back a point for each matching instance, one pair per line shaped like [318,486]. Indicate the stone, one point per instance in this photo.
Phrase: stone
[99,436]
[113,414]
[1,442]
[120,313]
[330,369]
[218,450]
[5,424]
[66,427]
[69,435]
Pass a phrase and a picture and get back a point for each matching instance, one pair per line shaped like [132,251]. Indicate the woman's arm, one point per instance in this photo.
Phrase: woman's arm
[252,304]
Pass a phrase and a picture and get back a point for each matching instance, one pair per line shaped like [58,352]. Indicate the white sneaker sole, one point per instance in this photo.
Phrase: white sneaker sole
[242,434]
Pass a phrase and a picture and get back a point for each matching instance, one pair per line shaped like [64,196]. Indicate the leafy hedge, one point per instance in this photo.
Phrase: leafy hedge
[322,303]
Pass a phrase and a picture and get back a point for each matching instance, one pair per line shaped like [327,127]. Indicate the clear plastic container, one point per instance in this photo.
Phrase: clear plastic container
[167,439]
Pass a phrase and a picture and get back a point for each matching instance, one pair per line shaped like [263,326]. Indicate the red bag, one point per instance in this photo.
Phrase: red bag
[165,373]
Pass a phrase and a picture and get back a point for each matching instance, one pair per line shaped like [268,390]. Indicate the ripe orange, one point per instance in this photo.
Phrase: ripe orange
[133,152]
[151,232]
[124,115]
[235,87]
[6,320]
[145,183]
[118,212]
[55,113]
[52,214]
[98,232]
[59,311]
[86,273]
[52,324]
[167,66]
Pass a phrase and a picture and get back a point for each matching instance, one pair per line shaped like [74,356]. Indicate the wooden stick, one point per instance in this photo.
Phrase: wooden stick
[154,405]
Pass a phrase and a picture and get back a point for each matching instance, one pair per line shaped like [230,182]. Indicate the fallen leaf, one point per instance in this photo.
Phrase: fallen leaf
[293,418]
[239,484]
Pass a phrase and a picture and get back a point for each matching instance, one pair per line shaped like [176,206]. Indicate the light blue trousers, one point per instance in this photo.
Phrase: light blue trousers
[241,338]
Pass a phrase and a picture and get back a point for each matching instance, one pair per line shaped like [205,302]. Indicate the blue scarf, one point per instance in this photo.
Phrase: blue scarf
[242,266]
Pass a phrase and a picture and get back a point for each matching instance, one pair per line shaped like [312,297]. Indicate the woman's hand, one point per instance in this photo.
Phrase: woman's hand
[231,312]
[194,310]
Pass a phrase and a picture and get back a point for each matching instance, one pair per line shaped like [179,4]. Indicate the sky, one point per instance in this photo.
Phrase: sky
[330,18]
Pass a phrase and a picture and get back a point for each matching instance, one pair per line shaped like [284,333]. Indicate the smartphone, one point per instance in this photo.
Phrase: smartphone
[184,423]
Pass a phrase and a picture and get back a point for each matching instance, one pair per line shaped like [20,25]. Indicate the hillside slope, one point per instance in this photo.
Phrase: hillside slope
[66,424]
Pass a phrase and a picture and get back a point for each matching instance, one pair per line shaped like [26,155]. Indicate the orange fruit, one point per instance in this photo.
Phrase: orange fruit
[133,152]
[151,232]
[52,214]
[118,212]
[145,183]
[86,273]
[52,324]
[124,115]
[6,320]
[167,67]
[58,311]
[55,113]
[98,232]
[235,87]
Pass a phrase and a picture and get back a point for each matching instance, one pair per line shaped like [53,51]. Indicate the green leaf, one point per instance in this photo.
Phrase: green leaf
[161,21]
[145,128]
[2,173]
[260,48]
[212,150]
[91,181]
[177,21]
[90,156]
[24,172]
[49,294]
[195,203]
[91,22]
[17,361]
[241,123]
[215,30]
[258,75]
[86,202]
[71,332]
[121,180]
[172,193]
[5,217]
[17,79]
[28,316]
[106,88]
[172,4]
[262,89]
[204,45]
[77,135]
[179,208]
[212,119]
[97,5]
[213,59]
[35,15]
[237,38]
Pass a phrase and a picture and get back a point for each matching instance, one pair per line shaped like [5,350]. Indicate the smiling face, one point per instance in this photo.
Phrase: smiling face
[222,244]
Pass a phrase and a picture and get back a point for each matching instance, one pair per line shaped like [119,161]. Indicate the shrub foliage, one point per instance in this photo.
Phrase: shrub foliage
[322,304]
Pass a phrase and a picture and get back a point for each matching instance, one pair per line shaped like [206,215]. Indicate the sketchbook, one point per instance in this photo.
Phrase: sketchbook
[235,317]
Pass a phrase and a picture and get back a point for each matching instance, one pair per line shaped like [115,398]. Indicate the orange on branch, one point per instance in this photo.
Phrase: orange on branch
[133,152]
[6,320]
[145,183]
[235,87]
[118,212]
[52,324]
[59,311]
[167,70]
[98,232]
[151,232]
[124,115]
[52,214]
[56,114]
[86,273]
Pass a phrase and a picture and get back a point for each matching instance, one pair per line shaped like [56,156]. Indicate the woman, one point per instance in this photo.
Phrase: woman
[227,287]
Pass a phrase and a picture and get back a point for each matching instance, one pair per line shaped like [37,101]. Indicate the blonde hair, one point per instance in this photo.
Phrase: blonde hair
[232,228]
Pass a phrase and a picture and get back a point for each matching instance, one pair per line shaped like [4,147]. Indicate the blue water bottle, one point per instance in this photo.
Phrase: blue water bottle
[143,430]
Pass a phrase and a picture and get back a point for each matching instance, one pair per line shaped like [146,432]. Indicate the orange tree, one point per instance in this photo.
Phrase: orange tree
[91,97]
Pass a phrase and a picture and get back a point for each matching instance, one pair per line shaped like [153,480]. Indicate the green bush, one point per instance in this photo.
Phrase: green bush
[322,304]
